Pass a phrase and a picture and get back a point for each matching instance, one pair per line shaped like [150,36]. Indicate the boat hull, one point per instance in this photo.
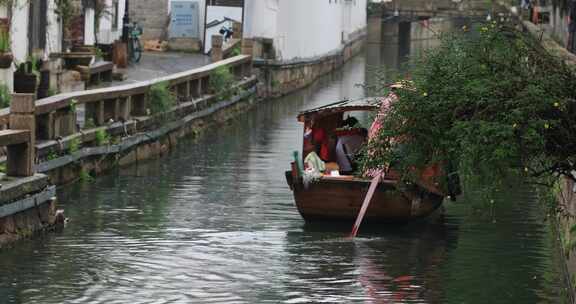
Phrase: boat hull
[333,199]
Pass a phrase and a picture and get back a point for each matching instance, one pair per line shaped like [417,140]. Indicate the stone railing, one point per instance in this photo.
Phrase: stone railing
[58,116]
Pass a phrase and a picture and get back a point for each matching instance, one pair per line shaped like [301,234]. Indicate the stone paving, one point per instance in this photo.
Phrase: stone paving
[158,64]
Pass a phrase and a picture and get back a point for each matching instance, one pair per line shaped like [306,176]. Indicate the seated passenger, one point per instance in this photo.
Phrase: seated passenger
[347,147]
[318,137]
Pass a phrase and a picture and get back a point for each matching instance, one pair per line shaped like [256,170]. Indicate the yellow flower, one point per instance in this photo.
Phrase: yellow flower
[424,94]
[546,126]
[464,28]
[557,104]
[514,126]
[526,169]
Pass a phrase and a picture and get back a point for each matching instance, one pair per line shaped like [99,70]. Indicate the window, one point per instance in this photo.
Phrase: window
[37,25]
[115,12]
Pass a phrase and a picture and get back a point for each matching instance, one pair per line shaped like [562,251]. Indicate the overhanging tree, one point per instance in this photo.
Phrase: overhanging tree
[490,101]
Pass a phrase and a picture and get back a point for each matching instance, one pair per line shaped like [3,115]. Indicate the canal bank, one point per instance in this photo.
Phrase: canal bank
[294,42]
[280,77]
[565,189]
[215,222]
[83,134]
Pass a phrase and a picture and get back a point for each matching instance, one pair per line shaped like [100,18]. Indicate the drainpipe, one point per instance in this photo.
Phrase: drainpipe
[126,22]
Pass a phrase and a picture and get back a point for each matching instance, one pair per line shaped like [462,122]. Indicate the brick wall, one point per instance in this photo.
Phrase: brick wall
[152,15]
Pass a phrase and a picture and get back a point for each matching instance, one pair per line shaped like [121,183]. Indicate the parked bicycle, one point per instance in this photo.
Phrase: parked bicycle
[134,44]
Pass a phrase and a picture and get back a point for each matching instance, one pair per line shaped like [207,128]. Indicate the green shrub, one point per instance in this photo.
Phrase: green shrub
[5,96]
[236,51]
[222,83]
[4,41]
[85,176]
[51,156]
[102,137]
[52,92]
[161,99]
[73,104]
[89,124]
[490,101]
[74,145]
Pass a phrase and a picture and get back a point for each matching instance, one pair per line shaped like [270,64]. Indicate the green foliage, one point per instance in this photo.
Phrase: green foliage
[73,104]
[4,41]
[74,145]
[5,96]
[490,101]
[102,137]
[85,176]
[89,124]
[222,83]
[65,10]
[2,168]
[35,65]
[236,51]
[51,156]
[116,140]
[52,92]
[98,53]
[161,99]
[275,83]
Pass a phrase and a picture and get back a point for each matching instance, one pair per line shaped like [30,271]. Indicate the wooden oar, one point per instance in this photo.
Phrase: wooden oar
[367,199]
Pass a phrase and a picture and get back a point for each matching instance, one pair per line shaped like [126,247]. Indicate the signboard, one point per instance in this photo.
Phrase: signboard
[185,18]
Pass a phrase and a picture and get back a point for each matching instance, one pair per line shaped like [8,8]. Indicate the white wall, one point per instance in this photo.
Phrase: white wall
[304,28]
[89,37]
[19,35]
[359,15]
[54,31]
[308,28]
[19,30]
[106,35]
[261,18]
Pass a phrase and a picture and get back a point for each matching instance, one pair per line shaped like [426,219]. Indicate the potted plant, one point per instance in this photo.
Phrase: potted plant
[6,57]
[26,77]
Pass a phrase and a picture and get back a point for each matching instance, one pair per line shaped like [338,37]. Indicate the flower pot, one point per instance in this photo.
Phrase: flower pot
[25,83]
[6,60]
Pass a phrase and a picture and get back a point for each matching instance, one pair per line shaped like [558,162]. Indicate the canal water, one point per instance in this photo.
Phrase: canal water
[215,222]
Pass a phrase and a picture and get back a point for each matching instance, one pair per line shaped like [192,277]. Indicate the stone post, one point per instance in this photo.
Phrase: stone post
[217,43]
[237,30]
[248,46]
[22,117]
[120,54]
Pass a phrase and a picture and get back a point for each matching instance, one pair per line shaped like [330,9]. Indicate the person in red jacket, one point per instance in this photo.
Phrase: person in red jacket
[318,138]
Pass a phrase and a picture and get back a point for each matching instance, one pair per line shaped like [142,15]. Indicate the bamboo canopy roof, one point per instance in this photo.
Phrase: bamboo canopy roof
[363,104]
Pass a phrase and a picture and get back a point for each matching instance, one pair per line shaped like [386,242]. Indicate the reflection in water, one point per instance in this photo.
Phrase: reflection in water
[216,222]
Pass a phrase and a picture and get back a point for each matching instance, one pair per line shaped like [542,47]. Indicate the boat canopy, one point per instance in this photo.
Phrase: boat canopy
[363,104]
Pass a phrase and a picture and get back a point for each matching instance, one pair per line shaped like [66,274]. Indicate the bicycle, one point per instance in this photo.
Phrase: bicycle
[134,45]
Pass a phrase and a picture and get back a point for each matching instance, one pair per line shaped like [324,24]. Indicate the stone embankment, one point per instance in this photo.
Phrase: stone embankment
[65,137]
[566,194]
[280,77]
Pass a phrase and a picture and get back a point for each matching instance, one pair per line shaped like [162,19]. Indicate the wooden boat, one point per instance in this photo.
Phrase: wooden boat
[339,198]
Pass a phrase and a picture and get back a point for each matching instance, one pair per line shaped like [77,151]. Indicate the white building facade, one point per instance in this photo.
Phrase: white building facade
[302,29]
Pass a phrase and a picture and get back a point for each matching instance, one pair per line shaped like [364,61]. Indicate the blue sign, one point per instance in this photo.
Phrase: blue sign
[185,19]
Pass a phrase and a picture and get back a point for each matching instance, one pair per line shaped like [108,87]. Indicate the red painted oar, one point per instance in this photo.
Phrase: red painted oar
[367,199]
